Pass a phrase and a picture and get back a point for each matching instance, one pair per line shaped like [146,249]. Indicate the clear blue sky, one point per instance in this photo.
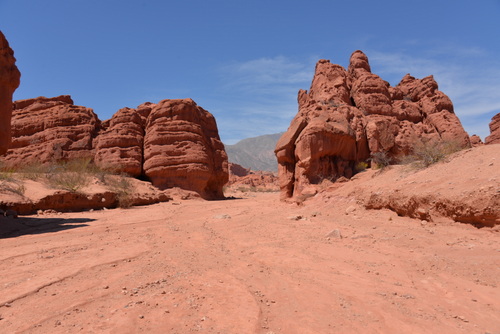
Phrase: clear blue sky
[244,61]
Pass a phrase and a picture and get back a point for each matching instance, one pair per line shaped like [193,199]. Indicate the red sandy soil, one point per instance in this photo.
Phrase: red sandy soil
[253,264]
[247,265]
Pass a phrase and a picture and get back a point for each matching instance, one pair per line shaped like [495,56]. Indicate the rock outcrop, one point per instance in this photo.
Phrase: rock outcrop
[119,146]
[244,180]
[494,137]
[51,129]
[182,149]
[475,141]
[9,81]
[174,143]
[238,170]
[348,115]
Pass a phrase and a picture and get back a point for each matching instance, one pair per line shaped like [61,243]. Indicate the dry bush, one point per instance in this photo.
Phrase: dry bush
[71,181]
[381,159]
[33,171]
[12,186]
[121,185]
[426,154]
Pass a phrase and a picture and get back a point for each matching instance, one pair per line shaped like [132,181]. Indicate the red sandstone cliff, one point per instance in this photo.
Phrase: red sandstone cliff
[9,81]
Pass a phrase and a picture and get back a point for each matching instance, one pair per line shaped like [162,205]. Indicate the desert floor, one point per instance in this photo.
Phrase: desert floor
[251,264]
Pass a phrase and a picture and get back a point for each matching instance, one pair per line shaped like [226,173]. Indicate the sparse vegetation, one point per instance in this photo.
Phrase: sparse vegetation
[72,175]
[121,185]
[381,159]
[426,154]
[12,186]
[244,189]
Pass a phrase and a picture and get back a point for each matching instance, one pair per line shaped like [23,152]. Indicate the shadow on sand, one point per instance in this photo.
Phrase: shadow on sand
[11,228]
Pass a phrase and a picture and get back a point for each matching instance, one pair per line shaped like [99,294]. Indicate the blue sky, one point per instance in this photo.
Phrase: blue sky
[244,61]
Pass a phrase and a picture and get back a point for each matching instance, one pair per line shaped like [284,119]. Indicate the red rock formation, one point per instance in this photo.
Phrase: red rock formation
[120,146]
[182,149]
[237,170]
[50,129]
[475,141]
[9,81]
[241,178]
[349,114]
[175,143]
[494,137]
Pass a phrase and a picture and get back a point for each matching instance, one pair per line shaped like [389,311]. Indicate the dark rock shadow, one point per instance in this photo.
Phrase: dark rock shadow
[11,228]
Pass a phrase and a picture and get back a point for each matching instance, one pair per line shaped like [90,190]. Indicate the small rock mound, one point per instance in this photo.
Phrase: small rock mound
[494,137]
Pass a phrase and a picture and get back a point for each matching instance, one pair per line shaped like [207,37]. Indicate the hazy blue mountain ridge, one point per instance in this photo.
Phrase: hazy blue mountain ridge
[256,153]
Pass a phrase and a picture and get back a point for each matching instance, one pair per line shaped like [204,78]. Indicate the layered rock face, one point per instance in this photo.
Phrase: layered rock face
[494,137]
[174,143]
[51,129]
[119,146]
[182,148]
[9,81]
[347,115]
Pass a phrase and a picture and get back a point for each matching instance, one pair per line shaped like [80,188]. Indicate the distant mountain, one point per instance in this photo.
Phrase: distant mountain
[256,153]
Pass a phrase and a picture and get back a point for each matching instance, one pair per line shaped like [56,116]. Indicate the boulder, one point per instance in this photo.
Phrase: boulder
[9,81]
[182,149]
[348,115]
[475,141]
[237,170]
[494,137]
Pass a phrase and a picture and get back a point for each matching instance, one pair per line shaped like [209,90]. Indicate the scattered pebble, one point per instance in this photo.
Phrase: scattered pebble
[223,216]
[334,234]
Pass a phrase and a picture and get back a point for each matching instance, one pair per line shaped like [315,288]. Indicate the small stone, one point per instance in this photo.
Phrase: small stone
[223,216]
[141,317]
[350,209]
[334,234]
[460,317]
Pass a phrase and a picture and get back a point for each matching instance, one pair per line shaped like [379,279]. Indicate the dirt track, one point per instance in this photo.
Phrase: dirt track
[248,265]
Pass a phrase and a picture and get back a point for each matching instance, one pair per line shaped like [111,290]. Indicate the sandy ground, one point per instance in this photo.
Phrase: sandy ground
[247,265]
